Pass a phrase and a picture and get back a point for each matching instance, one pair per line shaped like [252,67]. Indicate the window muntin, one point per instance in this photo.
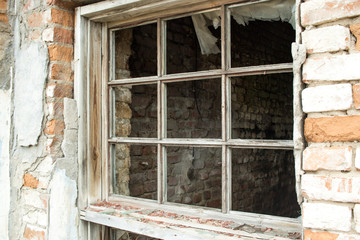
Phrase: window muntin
[225,142]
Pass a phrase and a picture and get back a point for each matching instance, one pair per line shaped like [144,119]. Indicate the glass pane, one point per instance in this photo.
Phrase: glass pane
[136,52]
[193,43]
[194,109]
[262,106]
[263,181]
[258,37]
[135,111]
[135,170]
[194,176]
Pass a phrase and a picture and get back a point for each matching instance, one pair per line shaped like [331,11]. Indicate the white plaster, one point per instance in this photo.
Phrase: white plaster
[34,198]
[70,114]
[327,216]
[69,145]
[30,75]
[63,213]
[327,39]
[36,217]
[4,162]
[357,217]
[332,68]
[46,166]
[327,98]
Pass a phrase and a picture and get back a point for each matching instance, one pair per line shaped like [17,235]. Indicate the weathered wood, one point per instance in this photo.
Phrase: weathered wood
[80,87]
[201,75]
[105,168]
[94,108]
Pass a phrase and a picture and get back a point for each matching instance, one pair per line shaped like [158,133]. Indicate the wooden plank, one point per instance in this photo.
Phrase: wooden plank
[105,168]
[125,15]
[94,103]
[80,86]
[201,75]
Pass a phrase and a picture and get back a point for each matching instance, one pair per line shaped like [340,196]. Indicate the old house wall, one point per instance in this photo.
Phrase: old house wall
[330,184]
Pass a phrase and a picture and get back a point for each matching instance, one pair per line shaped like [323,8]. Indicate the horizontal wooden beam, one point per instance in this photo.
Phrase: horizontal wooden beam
[235,143]
[210,74]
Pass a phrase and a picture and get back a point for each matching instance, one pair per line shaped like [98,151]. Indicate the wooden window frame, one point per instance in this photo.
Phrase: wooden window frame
[94,26]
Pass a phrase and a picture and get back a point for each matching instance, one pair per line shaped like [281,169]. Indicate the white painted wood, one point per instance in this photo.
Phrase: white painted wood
[235,143]
[201,75]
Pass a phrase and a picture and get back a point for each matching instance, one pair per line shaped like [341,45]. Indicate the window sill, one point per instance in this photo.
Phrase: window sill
[166,222]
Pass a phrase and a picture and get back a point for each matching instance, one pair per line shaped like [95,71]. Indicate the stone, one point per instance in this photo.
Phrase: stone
[319,11]
[327,98]
[63,213]
[327,158]
[332,129]
[357,159]
[332,68]
[339,189]
[34,198]
[327,216]
[326,39]
[29,91]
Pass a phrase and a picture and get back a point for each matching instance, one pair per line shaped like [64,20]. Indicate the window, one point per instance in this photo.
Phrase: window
[196,108]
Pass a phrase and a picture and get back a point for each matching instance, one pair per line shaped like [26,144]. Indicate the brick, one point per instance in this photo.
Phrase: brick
[54,127]
[3,5]
[327,216]
[59,35]
[32,4]
[59,90]
[310,235]
[30,181]
[332,129]
[4,17]
[35,34]
[327,39]
[40,18]
[56,110]
[62,4]
[34,233]
[53,146]
[327,158]
[60,53]
[327,98]
[355,29]
[341,189]
[35,199]
[62,17]
[320,11]
[356,95]
[61,72]
[332,68]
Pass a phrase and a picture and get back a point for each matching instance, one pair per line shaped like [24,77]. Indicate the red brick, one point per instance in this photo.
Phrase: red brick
[56,110]
[34,233]
[3,5]
[59,35]
[38,19]
[310,235]
[61,72]
[55,90]
[36,34]
[328,158]
[62,17]
[55,127]
[60,53]
[62,4]
[332,129]
[3,17]
[356,95]
[30,181]
[53,145]
[355,29]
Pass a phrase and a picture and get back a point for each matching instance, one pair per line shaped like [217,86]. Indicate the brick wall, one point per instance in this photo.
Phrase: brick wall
[330,99]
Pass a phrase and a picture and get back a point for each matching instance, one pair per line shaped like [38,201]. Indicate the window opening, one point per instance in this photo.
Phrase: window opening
[201,111]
